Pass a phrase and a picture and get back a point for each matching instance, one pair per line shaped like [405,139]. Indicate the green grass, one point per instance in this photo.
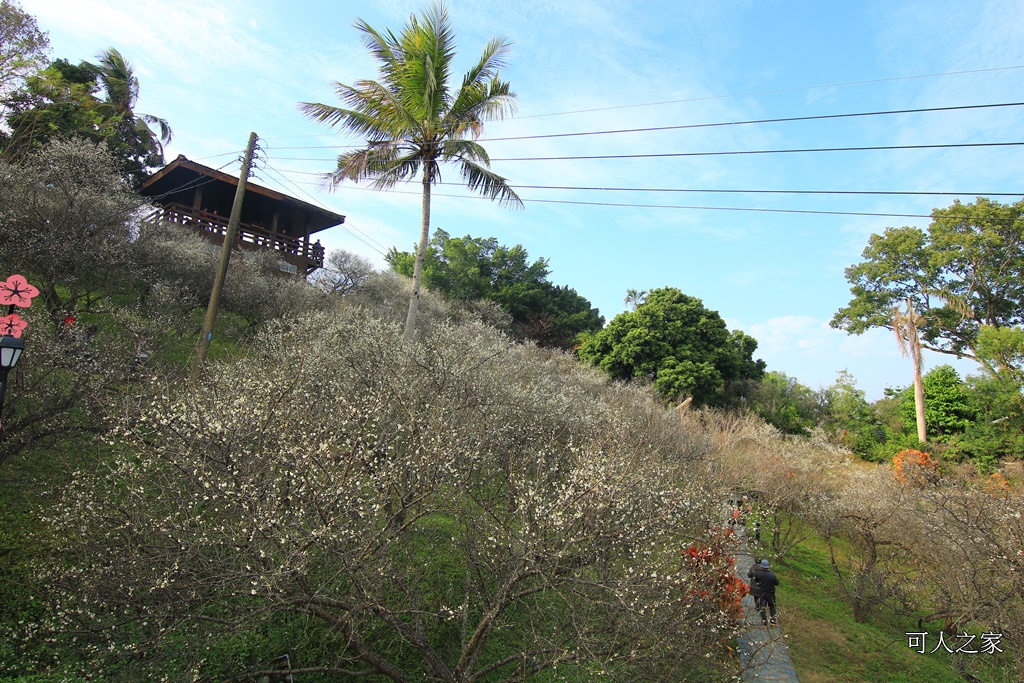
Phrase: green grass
[826,644]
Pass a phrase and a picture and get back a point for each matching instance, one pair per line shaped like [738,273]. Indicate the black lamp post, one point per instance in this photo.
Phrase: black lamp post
[10,351]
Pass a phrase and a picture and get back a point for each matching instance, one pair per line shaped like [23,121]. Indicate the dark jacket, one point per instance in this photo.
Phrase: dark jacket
[762,581]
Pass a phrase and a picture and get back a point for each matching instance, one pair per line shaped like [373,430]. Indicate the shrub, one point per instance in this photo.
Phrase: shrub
[448,508]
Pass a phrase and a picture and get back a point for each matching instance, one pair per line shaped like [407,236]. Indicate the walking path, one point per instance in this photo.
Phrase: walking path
[764,656]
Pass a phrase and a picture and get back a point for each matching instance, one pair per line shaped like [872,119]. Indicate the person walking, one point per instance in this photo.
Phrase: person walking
[762,586]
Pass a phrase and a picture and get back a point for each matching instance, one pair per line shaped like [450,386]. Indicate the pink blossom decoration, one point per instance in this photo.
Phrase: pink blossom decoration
[12,325]
[16,291]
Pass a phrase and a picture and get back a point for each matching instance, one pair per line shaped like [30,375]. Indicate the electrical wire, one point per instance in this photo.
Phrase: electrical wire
[789,119]
[719,124]
[583,188]
[667,155]
[722,97]
[772,92]
[348,228]
[527,200]
[730,208]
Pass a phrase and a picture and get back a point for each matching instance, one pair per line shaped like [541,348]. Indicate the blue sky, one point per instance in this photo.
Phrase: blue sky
[217,70]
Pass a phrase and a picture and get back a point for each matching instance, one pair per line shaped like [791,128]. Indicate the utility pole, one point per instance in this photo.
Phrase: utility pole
[225,255]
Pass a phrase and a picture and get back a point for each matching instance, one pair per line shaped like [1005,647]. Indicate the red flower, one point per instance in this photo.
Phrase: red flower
[12,325]
[16,291]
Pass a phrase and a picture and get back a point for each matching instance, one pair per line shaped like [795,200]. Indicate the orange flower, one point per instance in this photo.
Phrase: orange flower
[915,466]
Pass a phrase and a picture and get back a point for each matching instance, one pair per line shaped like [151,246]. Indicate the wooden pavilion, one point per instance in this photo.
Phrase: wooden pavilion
[200,197]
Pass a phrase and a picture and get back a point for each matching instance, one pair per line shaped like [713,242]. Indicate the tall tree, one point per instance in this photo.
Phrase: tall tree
[948,404]
[472,268]
[683,347]
[413,120]
[23,46]
[64,101]
[121,90]
[965,272]
[905,325]
[58,102]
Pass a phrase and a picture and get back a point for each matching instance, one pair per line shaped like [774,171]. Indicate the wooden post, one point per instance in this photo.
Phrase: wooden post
[206,336]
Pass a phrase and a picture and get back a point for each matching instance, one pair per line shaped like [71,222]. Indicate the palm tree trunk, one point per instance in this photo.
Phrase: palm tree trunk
[421,252]
[915,356]
[922,430]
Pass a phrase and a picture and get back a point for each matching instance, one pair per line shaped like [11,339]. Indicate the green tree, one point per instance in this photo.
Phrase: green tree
[965,271]
[413,120]
[785,403]
[135,137]
[1003,350]
[58,102]
[853,421]
[474,268]
[677,343]
[64,101]
[998,428]
[948,406]
[23,46]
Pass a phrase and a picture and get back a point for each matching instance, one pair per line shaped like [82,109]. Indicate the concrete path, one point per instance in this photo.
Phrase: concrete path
[764,656]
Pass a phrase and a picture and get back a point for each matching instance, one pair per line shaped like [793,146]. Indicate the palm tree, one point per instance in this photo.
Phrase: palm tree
[906,326]
[121,88]
[413,120]
[635,297]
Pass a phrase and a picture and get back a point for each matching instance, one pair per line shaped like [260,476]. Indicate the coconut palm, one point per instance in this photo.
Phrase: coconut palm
[413,119]
[121,88]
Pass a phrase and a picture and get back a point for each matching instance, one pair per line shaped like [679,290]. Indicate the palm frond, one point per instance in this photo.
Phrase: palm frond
[165,128]
[484,72]
[957,303]
[408,115]
[384,164]
[461,149]
[906,326]
[119,81]
[488,183]
[487,101]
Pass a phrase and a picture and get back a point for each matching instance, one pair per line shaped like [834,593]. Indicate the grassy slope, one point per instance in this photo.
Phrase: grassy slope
[827,645]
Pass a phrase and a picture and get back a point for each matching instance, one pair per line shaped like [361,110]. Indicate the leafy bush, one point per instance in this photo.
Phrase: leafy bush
[450,508]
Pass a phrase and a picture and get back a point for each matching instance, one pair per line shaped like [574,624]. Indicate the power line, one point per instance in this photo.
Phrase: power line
[722,97]
[730,208]
[347,225]
[235,153]
[757,151]
[348,229]
[725,153]
[819,117]
[708,190]
[772,92]
[667,206]
[719,124]
[912,193]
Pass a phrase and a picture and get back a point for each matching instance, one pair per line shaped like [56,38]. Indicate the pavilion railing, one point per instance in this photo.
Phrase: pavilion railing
[248,234]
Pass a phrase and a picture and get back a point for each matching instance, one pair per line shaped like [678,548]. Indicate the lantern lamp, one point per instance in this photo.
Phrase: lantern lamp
[11,349]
